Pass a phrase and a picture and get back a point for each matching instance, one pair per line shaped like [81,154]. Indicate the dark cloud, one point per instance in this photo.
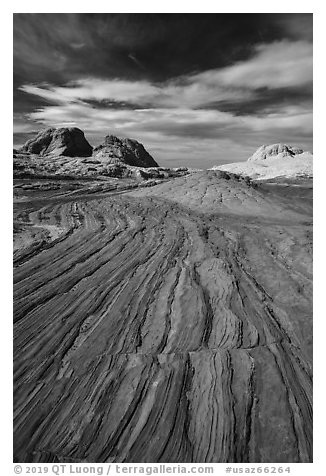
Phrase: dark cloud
[116,105]
[65,46]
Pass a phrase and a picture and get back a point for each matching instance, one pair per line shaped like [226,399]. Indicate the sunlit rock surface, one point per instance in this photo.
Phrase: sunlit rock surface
[277,161]
[166,324]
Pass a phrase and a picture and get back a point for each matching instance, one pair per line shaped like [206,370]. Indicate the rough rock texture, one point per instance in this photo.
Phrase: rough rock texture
[66,141]
[266,152]
[65,152]
[171,324]
[277,161]
[26,165]
[126,151]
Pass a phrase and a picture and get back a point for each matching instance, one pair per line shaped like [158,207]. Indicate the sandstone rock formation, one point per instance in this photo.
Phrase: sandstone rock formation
[126,151]
[121,158]
[166,325]
[99,168]
[277,161]
[280,151]
[65,141]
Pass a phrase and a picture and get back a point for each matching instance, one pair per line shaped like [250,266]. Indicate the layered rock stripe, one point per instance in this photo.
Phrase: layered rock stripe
[171,324]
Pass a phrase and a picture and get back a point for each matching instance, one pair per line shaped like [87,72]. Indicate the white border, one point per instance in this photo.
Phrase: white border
[173,6]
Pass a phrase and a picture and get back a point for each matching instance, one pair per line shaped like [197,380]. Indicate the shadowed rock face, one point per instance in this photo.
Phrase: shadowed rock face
[171,324]
[66,141]
[125,151]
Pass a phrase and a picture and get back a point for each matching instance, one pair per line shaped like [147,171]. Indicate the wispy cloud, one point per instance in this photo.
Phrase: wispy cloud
[181,92]
[277,65]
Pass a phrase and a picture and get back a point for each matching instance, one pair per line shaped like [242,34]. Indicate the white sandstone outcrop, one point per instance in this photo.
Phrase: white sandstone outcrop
[274,161]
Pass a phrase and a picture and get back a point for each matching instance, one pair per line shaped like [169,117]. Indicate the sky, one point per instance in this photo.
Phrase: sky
[196,89]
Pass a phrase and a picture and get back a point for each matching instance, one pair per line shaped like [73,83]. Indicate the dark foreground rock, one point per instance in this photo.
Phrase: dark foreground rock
[66,141]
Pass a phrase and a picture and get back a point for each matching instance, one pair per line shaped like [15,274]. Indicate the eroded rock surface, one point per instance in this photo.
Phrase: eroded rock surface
[66,141]
[65,153]
[48,167]
[124,151]
[267,152]
[171,324]
[276,161]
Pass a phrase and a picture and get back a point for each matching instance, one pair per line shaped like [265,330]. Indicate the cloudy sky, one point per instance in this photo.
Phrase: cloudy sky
[195,89]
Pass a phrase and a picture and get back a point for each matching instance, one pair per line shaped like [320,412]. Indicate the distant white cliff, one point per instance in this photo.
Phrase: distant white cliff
[274,161]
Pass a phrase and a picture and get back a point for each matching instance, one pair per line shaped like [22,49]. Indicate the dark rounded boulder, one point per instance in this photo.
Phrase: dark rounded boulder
[66,141]
[126,151]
